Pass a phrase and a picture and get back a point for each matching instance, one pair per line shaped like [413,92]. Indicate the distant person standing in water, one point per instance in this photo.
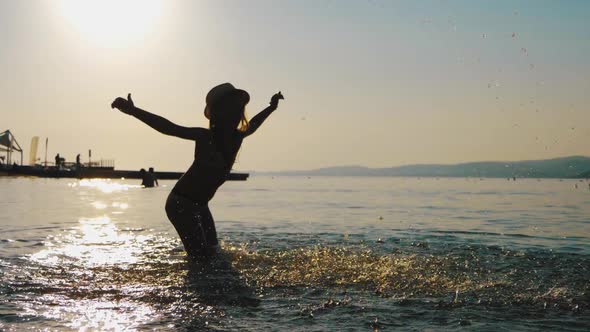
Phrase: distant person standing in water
[215,153]
[148,179]
[145,178]
[153,177]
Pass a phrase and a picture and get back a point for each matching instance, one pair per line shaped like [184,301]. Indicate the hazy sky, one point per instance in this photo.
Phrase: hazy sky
[375,83]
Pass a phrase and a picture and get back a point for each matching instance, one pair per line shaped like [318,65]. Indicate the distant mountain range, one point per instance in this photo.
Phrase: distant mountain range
[568,167]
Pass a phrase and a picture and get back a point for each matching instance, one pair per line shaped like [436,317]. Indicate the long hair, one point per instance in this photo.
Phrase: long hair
[244,123]
[225,119]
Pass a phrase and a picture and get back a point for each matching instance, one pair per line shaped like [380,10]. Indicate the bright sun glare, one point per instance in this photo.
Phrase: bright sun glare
[112,22]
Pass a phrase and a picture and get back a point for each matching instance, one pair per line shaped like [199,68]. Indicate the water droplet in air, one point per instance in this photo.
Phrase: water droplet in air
[375,324]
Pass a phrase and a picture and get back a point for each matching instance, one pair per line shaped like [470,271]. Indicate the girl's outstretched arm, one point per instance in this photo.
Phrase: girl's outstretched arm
[157,122]
[259,118]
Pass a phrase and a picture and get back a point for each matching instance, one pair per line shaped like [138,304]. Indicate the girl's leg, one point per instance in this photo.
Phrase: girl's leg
[194,225]
[208,225]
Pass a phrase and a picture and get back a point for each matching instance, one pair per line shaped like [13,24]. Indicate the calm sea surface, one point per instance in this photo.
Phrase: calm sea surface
[299,254]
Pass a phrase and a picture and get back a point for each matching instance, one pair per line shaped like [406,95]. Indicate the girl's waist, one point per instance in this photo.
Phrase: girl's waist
[179,195]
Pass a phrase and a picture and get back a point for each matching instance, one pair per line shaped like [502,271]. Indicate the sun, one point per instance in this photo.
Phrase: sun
[111,22]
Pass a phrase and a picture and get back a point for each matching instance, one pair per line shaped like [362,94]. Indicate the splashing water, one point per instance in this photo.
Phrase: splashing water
[104,270]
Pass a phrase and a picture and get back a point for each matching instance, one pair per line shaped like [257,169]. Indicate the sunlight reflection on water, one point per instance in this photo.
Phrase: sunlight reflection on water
[96,241]
[104,185]
[98,315]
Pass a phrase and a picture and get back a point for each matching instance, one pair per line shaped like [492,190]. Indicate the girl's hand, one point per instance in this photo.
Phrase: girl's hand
[274,101]
[124,105]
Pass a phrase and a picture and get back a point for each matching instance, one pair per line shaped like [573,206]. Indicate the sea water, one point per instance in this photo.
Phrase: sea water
[299,254]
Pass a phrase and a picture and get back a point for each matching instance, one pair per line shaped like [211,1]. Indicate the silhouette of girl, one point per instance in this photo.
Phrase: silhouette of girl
[215,153]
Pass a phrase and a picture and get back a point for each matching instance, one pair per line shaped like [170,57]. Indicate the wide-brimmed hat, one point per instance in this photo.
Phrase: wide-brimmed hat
[221,91]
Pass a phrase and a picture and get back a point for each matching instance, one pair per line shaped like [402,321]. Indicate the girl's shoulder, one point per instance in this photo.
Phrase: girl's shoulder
[203,133]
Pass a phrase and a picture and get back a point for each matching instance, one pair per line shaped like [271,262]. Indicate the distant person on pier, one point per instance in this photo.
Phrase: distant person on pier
[215,153]
[57,160]
[78,164]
